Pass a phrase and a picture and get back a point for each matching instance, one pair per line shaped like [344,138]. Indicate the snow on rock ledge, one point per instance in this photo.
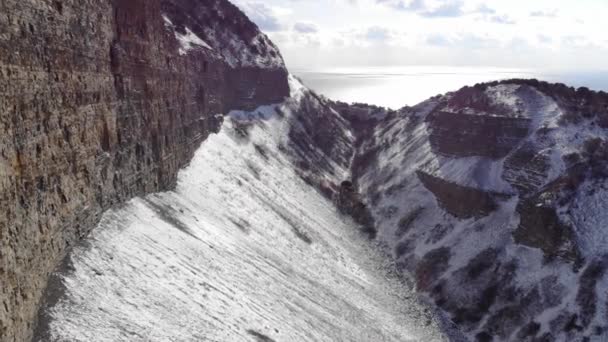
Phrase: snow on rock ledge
[188,41]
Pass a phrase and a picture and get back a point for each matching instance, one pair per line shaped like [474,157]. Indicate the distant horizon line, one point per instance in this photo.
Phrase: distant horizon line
[457,69]
[384,86]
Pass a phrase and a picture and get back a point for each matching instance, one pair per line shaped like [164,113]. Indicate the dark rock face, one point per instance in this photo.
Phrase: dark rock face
[460,201]
[318,137]
[99,105]
[465,135]
[248,87]
[540,227]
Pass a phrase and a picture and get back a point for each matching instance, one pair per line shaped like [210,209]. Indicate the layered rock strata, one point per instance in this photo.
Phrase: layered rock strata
[102,101]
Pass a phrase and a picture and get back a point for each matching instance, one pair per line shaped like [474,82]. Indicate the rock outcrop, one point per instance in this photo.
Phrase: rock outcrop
[461,201]
[464,135]
[102,101]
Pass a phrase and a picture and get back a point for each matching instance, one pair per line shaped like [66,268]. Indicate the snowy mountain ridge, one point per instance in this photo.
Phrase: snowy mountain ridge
[243,249]
[488,198]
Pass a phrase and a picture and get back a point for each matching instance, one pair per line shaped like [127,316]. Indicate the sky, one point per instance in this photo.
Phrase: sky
[325,34]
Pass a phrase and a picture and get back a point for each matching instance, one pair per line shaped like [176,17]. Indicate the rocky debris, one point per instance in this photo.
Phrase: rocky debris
[526,169]
[349,202]
[439,232]
[320,142]
[101,102]
[497,309]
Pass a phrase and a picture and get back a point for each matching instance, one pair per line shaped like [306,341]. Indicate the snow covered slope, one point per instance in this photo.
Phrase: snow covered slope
[493,198]
[243,250]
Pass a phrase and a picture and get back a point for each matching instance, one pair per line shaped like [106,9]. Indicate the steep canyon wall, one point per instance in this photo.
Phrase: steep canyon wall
[101,101]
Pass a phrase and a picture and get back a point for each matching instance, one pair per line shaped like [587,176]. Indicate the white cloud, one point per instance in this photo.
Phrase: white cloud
[266,17]
[305,27]
[544,13]
[449,32]
[377,34]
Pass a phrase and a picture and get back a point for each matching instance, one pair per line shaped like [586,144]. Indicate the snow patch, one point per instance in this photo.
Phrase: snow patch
[188,41]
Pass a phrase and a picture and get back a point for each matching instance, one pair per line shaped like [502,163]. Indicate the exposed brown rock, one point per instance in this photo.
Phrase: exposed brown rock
[98,106]
[466,135]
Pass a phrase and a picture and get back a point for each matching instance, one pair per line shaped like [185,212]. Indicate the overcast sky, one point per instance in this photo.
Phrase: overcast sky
[547,34]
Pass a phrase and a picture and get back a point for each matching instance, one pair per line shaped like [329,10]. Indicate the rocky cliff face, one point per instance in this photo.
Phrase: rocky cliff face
[102,101]
[492,198]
